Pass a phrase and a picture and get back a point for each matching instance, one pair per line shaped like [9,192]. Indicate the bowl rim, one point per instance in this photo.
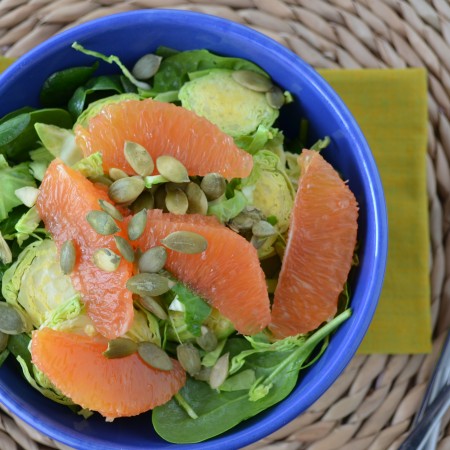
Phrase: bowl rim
[257,429]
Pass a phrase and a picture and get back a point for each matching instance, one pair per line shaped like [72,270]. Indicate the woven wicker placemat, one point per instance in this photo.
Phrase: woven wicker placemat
[373,403]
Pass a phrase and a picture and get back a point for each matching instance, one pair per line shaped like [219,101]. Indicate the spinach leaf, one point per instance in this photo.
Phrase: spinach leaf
[18,136]
[276,374]
[103,85]
[15,113]
[196,309]
[174,70]
[60,86]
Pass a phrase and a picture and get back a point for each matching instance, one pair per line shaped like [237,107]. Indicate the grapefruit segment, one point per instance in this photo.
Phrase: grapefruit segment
[319,251]
[227,274]
[163,129]
[119,387]
[64,199]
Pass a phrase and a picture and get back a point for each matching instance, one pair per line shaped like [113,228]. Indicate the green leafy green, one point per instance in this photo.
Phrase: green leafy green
[60,86]
[12,178]
[40,160]
[91,166]
[27,224]
[18,135]
[227,208]
[276,374]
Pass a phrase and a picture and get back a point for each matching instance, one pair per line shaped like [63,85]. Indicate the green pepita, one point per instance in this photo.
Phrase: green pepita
[258,242]
[149,284]
[138,158]
[126,190]
[106,259]
[263,229]
[11,321]
[120,347]
[146,66]
[208,340]
[154,356]
[177,201]
[189,358]
[5,251]
[172,169]
[245,220]
[137,225]
[67,257]
[160,198]
[204,374]
[116,174]
[252,80]
[124,247]
[153,260]
[213,185]
[275,97]
[101,179]
[198,203]
[144,201]
[185,242]
[110,209]
[150,304]
[102,222]
[219,372]
[3,341]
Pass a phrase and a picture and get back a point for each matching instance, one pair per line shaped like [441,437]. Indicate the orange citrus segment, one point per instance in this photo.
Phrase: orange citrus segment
[319,252]
[163,129]
[64,200]
[118,387]
[227,274]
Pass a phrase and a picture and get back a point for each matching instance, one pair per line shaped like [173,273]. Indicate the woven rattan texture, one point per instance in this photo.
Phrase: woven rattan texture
[372,404]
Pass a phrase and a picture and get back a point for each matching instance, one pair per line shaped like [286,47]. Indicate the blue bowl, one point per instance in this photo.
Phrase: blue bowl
[129,36]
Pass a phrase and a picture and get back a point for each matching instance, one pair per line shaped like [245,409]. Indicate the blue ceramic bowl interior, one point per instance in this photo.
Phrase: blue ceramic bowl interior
[129,36]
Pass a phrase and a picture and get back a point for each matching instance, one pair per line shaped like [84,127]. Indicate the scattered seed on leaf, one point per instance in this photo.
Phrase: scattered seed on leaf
[137,224]
[208,340]
[219,372]
[189,358]
[154,356]
[172,169]
[126,190]
[138,158]
[153,260]
[124,247]
[149,284]
[263,229]
[275,97]
[11,322]
[213,185]
[106,259]
[144,201]
[120,347]
[102,222]
[67,257]
[150,304]
[252,80]
[198,203]
[185,242]
[146,66]
[177,202]
[116,174]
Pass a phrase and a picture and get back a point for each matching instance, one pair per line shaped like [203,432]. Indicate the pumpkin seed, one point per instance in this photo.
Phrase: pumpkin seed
[102,222]
[101,179]
[213,185]
[208,340]
[27,195]
[154,356]
[219,372]
[252,80]
[263,229]
[111,210]
[120,347]
[137,225]
[198,203]
[245,220]
[171,186]
[144,201]
[189,358]
[124,247]
[177,201]
[116,174]
[172,169]
[150,304]
[275,97]
[126,190]
[11,321]
[138,158]
[67,257]
[258,242]
[160,198]
[146,66]
[203,374]
[5,251]
[3,341]
[149,284]
[153,260]
[185,242]
[106,259]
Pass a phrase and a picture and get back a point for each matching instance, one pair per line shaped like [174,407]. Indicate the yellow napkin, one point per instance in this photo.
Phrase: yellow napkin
[390,106]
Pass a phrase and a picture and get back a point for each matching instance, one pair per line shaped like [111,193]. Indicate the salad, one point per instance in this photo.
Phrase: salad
[150,224]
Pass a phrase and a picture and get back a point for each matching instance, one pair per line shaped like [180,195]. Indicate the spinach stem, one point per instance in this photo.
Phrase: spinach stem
[185,405]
